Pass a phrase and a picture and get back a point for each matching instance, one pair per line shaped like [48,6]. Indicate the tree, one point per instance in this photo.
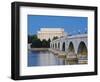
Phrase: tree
[29,39]
[34,37]
[48,43]
[36,43]
[49,40]
[55,37]
[44,43]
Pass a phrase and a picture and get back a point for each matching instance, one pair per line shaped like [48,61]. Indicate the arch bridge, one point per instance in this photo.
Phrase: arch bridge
[74,46]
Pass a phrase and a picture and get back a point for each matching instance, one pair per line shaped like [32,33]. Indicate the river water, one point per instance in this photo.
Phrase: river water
[43,58]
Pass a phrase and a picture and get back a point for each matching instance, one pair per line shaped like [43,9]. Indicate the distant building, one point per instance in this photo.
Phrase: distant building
[46,33]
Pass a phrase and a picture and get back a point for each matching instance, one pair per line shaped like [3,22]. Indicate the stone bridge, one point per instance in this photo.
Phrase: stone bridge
[74,46]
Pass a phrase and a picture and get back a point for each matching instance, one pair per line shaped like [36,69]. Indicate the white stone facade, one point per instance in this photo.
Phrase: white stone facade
[49,33]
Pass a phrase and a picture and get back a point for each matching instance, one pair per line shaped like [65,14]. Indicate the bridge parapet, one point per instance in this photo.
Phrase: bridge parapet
[77,36]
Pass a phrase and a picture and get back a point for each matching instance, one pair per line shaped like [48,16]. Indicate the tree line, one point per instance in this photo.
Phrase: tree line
[37,43]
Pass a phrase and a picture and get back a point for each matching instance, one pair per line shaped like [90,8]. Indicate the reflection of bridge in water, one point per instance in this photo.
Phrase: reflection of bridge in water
[72,48]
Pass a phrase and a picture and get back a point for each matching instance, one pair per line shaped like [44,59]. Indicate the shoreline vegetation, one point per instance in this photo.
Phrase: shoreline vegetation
[37,43]
[39,49]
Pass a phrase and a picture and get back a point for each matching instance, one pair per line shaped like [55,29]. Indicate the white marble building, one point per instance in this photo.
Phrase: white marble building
[46,33]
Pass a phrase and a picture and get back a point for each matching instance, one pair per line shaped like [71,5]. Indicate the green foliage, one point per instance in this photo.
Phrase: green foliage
[44,43]
[31,38]
[37,43]
[34,37]
[55,37]
[49,42]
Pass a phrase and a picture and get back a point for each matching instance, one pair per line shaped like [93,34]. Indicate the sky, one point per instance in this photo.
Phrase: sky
[71,25]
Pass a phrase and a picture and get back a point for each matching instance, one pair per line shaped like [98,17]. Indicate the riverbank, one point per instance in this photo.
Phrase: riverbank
[39,49]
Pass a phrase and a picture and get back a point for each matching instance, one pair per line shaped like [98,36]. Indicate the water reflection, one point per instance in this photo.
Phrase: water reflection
[43,58]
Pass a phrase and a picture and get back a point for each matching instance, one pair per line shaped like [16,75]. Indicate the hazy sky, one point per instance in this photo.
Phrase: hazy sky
[71,25]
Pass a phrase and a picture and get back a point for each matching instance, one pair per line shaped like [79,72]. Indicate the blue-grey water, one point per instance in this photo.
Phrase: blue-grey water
[43,58]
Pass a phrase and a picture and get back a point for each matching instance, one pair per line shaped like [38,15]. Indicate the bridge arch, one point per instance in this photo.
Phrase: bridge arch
[58,45]
[71,55]
[63,46]
[82,48]
[51,45]
[71,47]
[55,45]
[82,53]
